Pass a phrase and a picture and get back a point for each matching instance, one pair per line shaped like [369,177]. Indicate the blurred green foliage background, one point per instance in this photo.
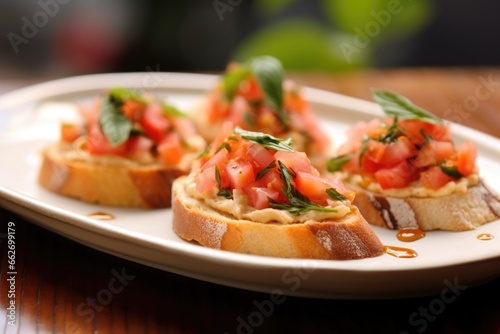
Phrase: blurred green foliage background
[71,37]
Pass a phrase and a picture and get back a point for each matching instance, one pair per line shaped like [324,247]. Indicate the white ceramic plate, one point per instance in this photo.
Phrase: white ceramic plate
[29,120]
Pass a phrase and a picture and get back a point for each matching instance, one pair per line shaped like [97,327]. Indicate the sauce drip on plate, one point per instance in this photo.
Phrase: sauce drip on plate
[101,215]
[400,252]
[485,236]
[410,234]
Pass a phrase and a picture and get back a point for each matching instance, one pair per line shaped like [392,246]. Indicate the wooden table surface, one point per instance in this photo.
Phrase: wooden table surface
[65,287]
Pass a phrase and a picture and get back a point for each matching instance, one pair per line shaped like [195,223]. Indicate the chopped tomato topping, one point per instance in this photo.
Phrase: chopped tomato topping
[271,180]
[398,151]
[170,149]
[98,144]
[434,178]
[434,152]
[315,187]
[260,156]
[255,169]
[184,127]
[132,109]
[296,161]
[397,154]
[216,160]
[259,197]
[70,132]
[466,158]
[205,181]
[239,172]
[248,108]
[226,130]
[154,123]
[250,90]
[375,151]
[139,145]
[398,176]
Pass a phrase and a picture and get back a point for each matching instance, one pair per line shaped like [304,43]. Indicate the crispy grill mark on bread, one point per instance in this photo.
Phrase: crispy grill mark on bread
[454,212]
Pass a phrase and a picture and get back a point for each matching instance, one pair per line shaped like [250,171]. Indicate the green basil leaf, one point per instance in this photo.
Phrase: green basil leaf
[115,126]
[123,94]
[266,140]
[335,164]
[396,105]
[335,195]
[450,171]
[231,81]
[270,74]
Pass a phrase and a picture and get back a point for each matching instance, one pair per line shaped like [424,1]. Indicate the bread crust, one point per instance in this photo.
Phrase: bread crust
[454,212]
[348,238]
[145,186]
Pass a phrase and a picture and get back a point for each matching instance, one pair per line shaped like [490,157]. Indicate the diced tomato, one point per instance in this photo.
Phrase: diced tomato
[98,143]
[268,122]
[439,132]
[239,172]
[314,187]
[216,160]
[205,181]
[398,151]
[70,132]
[353,164]
[217,107]
[225,131]
[320,139]
[356,133]
[434,152]
[296,161]
[375,150]
[368,166]
[90,113]
[398,176]
[293,100]
[434,178]
[466,158]
[261,156]
[259,197]
[154,123]
[250,90]
[271,179]
[184,127]
[170,149]
[338,185]
[237,109]
[414,129]
[132,109]
[138,145]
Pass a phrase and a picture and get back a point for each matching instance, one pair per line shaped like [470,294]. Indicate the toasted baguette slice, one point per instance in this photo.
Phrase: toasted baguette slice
[453,212]
[107,181]
[350,237]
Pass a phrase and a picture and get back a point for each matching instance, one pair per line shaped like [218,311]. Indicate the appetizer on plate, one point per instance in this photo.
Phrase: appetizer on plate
[126,151]
[255,96]
[408,172]
[253,193]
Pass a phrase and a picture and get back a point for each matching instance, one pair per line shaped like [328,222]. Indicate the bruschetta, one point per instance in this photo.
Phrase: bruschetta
[126,151]
[408,172]
[253,193]
[256,96]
